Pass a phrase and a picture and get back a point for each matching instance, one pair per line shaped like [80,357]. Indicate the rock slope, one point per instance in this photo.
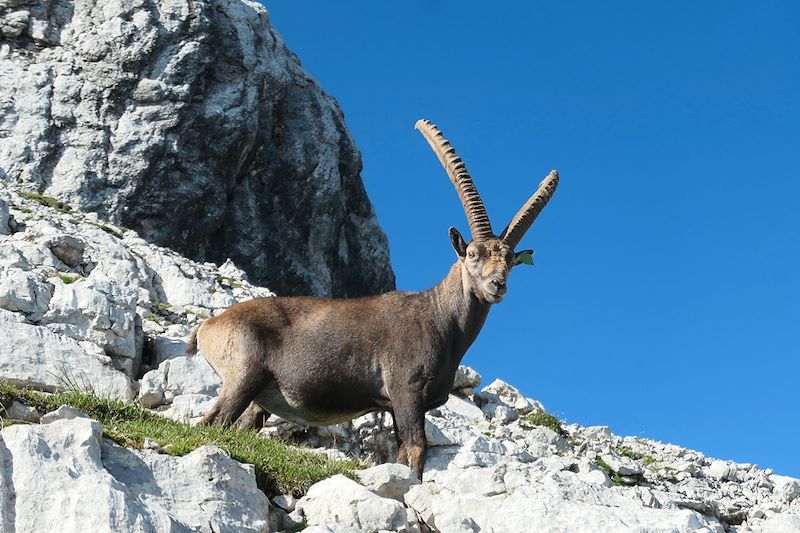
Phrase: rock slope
[89,304]
[193,124]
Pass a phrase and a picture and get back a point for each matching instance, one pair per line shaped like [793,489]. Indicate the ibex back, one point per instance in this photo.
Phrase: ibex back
[323,361]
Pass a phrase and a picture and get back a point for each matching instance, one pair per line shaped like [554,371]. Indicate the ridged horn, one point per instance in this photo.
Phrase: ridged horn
[527,214]
[473,205]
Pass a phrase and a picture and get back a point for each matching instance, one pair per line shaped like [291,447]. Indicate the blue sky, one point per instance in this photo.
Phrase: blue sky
[665,299]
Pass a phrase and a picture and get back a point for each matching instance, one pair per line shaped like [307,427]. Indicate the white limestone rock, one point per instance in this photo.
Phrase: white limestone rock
[35,356]
[512,397]
[721,470]
[24,292]
[62,478]
[206,489]
[624,466]
[55,475]
[389,480]
[786,488]
[466,378]
[188,408]
[64,412]
[340,502]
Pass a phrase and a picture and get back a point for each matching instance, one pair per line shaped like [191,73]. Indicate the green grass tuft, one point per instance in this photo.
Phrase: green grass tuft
[645,459]
[21,208]
[47,201]
[545,419]
[615,478]
[67,279]
[280,468]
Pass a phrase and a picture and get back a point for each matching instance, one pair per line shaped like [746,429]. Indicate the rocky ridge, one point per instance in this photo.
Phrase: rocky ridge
[193,124]
[89,304]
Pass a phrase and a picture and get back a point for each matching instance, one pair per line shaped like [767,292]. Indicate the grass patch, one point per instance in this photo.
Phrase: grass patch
[545,419]
[627,452]
[154,318]
[47,201]
[199,314]
[280,468]
[67,279]
[161,308]
[107,229]
[21,208]
[648,461]
[645,459]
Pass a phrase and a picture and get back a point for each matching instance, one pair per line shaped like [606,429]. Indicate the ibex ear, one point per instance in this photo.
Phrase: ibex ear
[458,242]
[523,257]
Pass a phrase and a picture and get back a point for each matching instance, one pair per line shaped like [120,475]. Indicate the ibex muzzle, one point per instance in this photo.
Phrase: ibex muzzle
[323,361]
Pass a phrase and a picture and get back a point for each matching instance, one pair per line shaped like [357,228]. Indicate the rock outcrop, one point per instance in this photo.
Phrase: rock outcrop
[91,305]
[63,476]
[193,124]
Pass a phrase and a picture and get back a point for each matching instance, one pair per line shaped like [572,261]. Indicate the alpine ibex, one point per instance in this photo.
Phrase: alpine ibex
[325,361]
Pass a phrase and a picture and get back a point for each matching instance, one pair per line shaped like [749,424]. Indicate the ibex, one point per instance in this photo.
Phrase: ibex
[325,361]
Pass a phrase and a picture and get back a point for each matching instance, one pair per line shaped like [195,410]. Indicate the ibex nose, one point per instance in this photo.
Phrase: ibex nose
[499,284]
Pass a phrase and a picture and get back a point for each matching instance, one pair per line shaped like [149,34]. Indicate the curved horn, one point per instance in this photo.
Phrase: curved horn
[527,214]
[473,205]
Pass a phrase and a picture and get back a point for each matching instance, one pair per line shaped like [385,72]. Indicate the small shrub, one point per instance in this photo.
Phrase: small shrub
[545,419]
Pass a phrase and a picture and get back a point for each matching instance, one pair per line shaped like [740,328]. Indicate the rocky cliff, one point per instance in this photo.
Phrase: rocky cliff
[190,122]
[91,305]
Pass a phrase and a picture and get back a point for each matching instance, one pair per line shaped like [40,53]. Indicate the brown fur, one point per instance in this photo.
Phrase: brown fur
[324,361]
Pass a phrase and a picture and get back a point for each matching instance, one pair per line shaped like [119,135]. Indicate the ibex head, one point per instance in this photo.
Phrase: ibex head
[487,260]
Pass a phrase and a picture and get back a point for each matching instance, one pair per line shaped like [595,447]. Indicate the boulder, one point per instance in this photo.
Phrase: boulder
[466,378]
[62,477]
[35,356]
[64,412]
[342,503]
[512,397]
[20,411]
[389,480]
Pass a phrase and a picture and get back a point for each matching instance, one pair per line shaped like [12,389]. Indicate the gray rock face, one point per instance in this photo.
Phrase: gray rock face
[192,123]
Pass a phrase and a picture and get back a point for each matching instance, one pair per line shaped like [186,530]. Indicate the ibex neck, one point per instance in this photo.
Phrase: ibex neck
[459,314]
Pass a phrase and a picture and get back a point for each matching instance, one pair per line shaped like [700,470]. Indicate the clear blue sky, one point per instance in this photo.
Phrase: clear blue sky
[665,299]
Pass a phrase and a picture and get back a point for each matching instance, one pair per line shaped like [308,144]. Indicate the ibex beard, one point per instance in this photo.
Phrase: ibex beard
[324,361]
